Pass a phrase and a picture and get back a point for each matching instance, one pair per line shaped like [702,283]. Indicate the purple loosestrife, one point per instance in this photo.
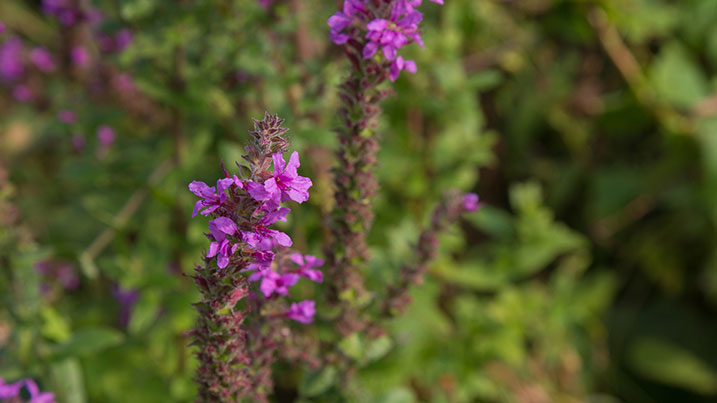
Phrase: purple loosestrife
[448,212]
[362,27]
[243,280]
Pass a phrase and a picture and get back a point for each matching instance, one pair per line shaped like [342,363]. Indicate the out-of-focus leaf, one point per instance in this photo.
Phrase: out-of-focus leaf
[316,383]
[677,78]
[670,364]
[68,381]
[88,341]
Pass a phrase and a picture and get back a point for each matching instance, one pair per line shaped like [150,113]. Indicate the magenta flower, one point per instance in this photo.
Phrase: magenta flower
[106,136]
[401,64]
[390,35]
[470,202]
[306,265]
[126,298]
[262,263]
[212,198]
[2,27]
[273,282]
[11,63]
[10,391]
[343,19]
[35,395]
[221,247]
[42,59]
[264,238]
[80,56]
[302,312]
[286,184]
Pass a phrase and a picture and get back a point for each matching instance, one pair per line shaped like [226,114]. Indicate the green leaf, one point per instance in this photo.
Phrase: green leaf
[68,382]
[352,346]
[677,78]
[316,383]
[397,395]
[88,341]
[672,365]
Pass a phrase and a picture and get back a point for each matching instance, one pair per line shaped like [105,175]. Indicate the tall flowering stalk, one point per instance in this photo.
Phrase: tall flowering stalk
[362,28]
[445,214]
[248,269]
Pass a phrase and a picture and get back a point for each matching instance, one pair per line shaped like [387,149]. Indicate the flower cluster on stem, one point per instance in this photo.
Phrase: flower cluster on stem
[362,27]
[248,269]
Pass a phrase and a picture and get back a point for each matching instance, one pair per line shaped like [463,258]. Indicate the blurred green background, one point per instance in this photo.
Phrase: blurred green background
[589,129]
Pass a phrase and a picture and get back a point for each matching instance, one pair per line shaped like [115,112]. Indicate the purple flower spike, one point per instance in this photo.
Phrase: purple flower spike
[273,282]
[212,198]
[106,136]
[221,247]
[401,64]
[42,59]
[302,312]
[284,185]
[470,202]
[306,265]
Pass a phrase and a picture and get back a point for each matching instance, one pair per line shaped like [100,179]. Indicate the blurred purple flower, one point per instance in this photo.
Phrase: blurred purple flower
[273,282]
[470,202]
[265,3]
[22,93]
[80,56]
[343,19]
[78,141]
[212,198]
[284,185]
[123,82]
[66,116]
[306,265]
[10,391]
[35,395]
[42,59]
[302,312]
[11,63]
[2,27]
[67,276]
[106,136]
[126,298]
[123,38]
